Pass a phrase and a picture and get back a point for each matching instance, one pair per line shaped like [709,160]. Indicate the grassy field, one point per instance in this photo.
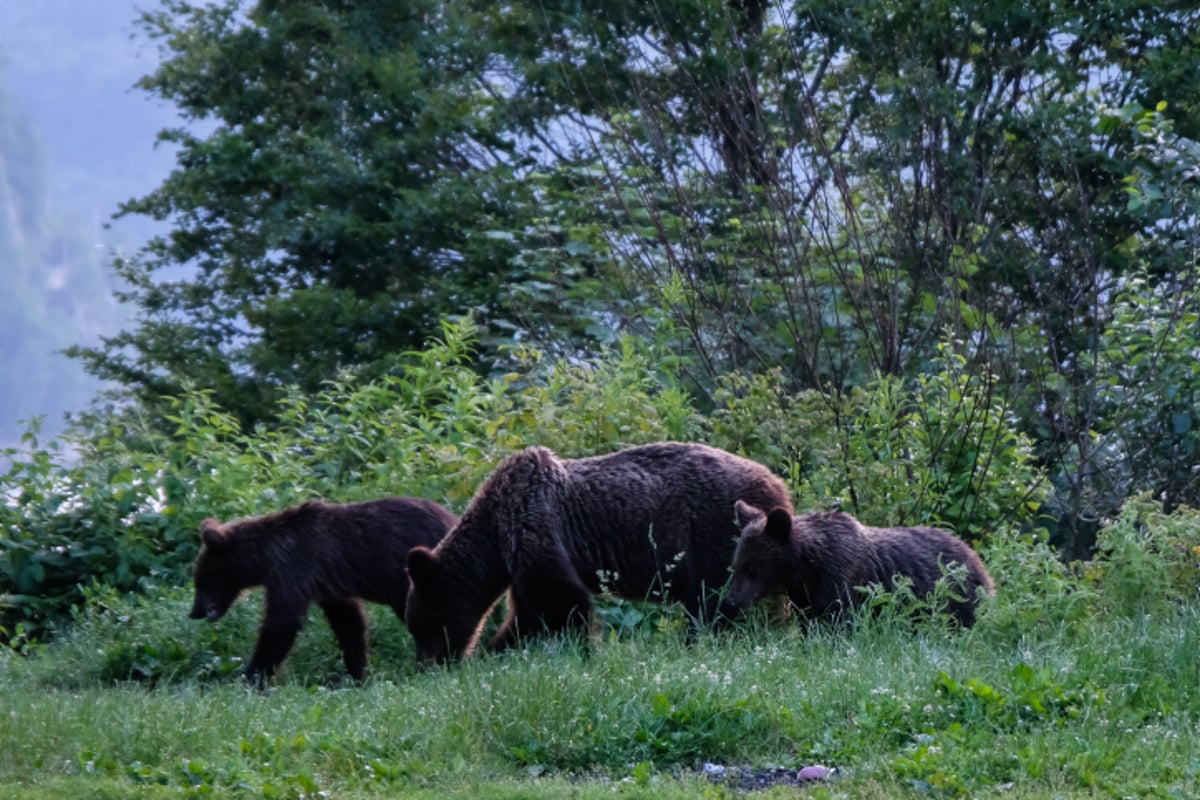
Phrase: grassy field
[1055,693]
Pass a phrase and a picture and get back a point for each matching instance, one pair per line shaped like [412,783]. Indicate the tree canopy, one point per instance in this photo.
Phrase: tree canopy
[337,204]
[834,189]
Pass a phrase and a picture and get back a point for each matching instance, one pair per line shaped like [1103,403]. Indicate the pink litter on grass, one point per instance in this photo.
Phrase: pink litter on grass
[813,773]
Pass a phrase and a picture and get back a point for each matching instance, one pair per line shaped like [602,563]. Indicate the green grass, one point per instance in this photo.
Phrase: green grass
[1017,707]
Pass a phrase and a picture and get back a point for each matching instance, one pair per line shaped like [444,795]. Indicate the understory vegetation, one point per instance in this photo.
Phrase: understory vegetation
[118,502]
[933,264]
[1076,682]
[1080,678]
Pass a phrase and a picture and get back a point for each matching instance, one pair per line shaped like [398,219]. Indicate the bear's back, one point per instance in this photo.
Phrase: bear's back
[681,476]
[649,514]
[924,555]
[832,555]
[311,527]
[330,550]
[918,551]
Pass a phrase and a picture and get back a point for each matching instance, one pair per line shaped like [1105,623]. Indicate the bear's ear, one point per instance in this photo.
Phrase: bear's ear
[422,565]
[212,534]
[779,524]
[745,513]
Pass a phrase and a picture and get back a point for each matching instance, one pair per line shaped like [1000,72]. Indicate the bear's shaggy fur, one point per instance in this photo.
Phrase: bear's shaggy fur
[820,560]
[331,555]
[653,522]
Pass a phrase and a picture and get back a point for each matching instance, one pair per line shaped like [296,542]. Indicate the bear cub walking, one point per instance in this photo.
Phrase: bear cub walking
[647,523]
[323,553]
[819,560]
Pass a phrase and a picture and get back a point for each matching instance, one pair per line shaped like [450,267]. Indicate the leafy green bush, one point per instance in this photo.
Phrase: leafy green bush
[112,517]
[1147,564]
[1148,395]
[943,449]
[1148,561]
[1036,590]
[117,501]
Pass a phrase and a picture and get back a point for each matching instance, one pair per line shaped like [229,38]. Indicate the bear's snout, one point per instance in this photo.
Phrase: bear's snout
[730,609]
[743,595]
[208,611]
[432,657]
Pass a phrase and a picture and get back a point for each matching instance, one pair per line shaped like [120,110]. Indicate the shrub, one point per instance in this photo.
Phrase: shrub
[113,517]
[125,510]
[1147,561]
[1036,591]
[943,449]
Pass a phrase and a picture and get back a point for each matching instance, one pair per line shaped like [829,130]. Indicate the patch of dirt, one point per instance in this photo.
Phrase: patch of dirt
[750,779]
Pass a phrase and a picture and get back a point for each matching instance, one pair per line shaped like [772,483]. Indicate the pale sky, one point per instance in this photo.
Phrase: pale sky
[70,65]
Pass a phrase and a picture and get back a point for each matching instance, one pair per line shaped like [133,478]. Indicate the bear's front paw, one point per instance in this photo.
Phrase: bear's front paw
[256,679]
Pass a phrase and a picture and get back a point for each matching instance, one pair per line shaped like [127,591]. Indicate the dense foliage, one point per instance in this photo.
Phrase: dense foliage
[932,263]
[836,193]
[123,509]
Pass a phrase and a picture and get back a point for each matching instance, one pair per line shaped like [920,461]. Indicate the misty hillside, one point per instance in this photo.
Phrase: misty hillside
[76,140]
[56,290]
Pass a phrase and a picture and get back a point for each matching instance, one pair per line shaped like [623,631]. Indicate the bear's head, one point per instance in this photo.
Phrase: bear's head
[439,616]
[216,573]
[760,562]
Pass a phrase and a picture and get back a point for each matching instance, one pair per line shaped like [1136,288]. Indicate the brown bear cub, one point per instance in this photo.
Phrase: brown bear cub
[647,523]
[820,560]
[331,555]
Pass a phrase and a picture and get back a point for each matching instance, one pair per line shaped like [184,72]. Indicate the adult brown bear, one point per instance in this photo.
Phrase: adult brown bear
[821,560]
[653,522]
[331,555]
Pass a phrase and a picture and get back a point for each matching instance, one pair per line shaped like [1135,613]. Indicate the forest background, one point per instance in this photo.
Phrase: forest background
[933,263]
[981,217]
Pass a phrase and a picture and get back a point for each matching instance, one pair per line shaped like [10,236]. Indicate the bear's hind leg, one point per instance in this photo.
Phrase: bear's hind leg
[349,624]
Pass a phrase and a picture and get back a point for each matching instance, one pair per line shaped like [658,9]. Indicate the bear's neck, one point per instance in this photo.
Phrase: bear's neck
[254,559]
[800,580]
[475,569]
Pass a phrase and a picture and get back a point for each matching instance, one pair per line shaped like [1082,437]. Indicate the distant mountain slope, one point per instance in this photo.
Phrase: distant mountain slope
[71,67]
[55,288]
[76,140]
